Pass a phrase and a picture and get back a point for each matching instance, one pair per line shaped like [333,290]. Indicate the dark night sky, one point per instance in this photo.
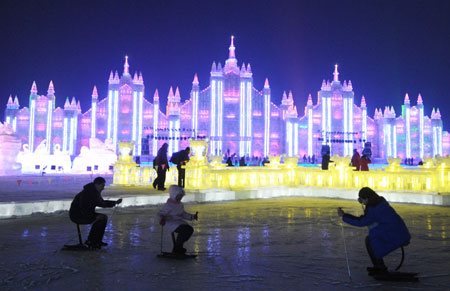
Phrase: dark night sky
[387,48]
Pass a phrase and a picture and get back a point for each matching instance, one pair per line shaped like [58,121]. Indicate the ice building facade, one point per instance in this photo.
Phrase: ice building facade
[233,114]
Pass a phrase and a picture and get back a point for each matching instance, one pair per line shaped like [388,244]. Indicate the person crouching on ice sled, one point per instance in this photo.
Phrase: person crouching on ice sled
[387,230]
[82,211]
[172,215]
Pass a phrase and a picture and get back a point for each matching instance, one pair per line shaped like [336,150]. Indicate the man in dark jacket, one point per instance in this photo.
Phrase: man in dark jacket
[387,230]
[326,160]
[82,211]
[181,160]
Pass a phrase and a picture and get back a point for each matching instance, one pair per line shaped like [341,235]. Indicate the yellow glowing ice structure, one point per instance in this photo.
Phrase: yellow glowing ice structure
[216,162]
[126,171]
[199,148]
[434,176]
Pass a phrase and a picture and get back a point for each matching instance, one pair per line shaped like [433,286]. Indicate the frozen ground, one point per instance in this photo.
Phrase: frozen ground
[274,244]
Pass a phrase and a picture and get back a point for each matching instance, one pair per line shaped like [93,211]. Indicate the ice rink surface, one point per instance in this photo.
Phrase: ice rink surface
[273,244]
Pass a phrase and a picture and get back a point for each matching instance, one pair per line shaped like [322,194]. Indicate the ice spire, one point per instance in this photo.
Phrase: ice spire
[406,99]
[177,93]
[10,101]
[310,102]
[73,103]
[363,101]
[243,68]
[79,106]
[324,85]
[284,96]
[219,67]
[16,101]
[290,96]
[33,88]
[135,78]
[249,68]
[94,93]
[419,100]
[126,67]
[266,83]
[438,114]
[116,76]
[349,85]
[336,74]
[170,92]
[51,88]
[140,78]
[213,67]
[67,104]
[232,54]
[156,95]
[195,82]
[111,76]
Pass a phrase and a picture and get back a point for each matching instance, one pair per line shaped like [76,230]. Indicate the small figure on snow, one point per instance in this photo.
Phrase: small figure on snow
[364,163]
[356,160]
[82,211]
[181,158]
[387,230]
[172,215]
[162,165]
[326,160]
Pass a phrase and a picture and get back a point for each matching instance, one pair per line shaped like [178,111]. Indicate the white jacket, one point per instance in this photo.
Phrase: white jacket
[174,213]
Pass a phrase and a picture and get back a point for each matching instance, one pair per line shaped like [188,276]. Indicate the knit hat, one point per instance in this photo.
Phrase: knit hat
[175,190]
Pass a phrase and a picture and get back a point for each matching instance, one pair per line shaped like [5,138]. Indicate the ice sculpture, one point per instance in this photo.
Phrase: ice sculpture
[98,158]
[9,148]
[40,161]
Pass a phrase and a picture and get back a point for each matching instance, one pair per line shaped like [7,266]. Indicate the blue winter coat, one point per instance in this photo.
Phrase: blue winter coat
[387,230]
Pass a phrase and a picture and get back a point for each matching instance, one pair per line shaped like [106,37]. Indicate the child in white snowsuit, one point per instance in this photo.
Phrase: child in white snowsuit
[172,215]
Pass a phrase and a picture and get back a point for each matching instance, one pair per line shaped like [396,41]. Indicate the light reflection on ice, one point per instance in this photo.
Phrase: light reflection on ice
[44,231]
[214,239]
[25,233]
[243,247]
[135,236]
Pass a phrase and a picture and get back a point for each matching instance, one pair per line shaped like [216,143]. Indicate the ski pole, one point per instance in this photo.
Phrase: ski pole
[346,255]
[161,243]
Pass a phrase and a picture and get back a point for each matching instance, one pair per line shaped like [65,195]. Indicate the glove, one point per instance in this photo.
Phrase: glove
[162,222]
[196,216]
[119,201]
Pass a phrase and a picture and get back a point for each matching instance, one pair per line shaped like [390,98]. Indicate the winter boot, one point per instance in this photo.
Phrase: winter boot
[179,250]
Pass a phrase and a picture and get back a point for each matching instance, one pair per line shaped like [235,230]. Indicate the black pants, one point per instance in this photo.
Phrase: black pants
[97,228]
[184,233]
[181,175]
[160,178]
[376,262]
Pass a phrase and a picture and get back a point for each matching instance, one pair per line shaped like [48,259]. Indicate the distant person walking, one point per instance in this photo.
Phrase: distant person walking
[356,160]
[365,161]
[181,158]
[162,165]
[326,160]
[82,211]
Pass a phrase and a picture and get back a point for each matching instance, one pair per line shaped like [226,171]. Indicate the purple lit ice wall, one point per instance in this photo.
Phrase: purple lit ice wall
[234,115]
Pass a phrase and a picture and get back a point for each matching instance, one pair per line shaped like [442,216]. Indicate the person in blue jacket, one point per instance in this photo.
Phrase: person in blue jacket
[387,230]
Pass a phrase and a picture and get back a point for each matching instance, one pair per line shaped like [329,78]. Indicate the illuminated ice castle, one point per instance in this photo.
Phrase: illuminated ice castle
[234,115]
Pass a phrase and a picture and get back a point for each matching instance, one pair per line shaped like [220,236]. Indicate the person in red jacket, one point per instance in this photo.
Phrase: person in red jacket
[356,160]
[364,162]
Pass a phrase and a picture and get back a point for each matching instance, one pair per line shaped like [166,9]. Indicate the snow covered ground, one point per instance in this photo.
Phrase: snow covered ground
[271,244]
